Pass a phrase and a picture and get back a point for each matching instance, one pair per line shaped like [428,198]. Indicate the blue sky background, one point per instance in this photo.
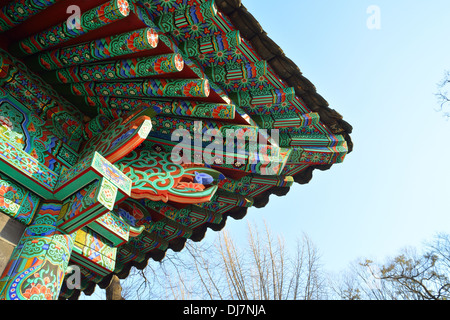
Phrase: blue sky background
[392,191]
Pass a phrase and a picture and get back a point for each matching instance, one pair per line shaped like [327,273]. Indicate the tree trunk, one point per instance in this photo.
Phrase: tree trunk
[114,290]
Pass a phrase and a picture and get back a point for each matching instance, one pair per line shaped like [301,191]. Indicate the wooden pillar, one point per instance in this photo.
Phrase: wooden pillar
[38,263]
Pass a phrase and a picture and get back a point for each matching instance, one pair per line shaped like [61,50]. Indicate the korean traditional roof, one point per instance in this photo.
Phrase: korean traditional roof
[318,132]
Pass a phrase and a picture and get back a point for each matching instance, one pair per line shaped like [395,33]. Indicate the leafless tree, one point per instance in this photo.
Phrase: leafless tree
[263,269]
[408,276]
[443,96]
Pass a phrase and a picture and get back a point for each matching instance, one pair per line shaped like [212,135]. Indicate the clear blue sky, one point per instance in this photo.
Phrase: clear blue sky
[392,191]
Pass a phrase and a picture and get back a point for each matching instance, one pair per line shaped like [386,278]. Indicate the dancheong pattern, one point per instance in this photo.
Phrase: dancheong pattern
[99,117]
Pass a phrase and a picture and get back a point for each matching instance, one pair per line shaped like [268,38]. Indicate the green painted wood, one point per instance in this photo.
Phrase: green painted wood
[87,204]
[93,19]
[112,228]
[92,167]
[25,169]
[92,252]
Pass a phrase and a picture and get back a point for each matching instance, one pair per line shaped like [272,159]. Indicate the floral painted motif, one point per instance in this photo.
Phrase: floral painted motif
[190,186]
[124,7]
[40,287]
[4,199]
[152,37]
